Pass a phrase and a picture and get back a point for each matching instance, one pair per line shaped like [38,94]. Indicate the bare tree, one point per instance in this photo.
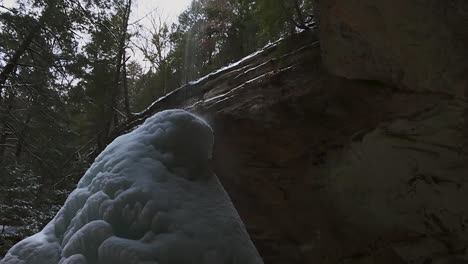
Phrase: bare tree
[155,41]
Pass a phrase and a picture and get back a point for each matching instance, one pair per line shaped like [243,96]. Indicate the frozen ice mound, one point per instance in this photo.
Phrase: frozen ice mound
[150,198]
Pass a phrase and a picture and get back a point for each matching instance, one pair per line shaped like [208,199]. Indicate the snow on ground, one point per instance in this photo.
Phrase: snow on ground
[223,69]
[9,230]
[235,64]
[150,198]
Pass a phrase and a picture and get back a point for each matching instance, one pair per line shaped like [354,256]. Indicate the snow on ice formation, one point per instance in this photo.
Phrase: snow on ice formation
[148,198]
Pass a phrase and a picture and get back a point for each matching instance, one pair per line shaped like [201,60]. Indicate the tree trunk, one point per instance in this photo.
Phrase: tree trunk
[3,138]
[125,87]
[22,136]
[110,122]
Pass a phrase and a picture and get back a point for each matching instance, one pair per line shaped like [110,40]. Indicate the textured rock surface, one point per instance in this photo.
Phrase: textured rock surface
[417,45]
[324,169]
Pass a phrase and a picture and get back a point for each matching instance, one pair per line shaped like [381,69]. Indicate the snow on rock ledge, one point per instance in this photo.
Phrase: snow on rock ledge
[148,198]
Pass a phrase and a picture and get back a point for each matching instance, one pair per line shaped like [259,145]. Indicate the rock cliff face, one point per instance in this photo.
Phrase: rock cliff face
[363,160]
[416,45]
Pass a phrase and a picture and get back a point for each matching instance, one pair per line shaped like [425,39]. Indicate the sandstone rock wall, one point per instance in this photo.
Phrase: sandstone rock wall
[416,45]
[330,158]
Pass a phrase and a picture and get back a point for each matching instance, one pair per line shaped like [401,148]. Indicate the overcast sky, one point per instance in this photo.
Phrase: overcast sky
[144,10]
[168,9]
